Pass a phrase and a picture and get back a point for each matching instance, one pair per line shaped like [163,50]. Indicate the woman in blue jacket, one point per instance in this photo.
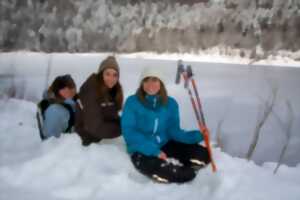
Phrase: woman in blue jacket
[151,129]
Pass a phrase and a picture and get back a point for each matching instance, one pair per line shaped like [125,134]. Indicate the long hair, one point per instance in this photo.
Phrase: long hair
[114,94]
[162,93]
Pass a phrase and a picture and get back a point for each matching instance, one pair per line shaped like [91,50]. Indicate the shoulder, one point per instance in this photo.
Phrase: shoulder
[91,79]
[131,99]
[89,83]
[132,102]
[172,102]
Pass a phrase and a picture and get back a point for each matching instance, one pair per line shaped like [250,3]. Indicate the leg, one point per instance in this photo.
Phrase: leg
[191,155]
[160,170]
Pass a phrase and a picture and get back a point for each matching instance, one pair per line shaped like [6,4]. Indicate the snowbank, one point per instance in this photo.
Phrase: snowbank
[234,96]
[63,169]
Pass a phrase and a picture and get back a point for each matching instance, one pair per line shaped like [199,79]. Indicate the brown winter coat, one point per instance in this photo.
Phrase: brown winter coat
[97,116]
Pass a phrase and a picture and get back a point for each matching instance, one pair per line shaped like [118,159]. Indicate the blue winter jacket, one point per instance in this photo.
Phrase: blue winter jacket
[57,119]
[147,127]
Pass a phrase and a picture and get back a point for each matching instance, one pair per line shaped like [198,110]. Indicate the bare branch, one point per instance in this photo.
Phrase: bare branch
[282,125]
[267,109]
[290,121]
[219,127]
[218,134]
[48,70]
[286,128]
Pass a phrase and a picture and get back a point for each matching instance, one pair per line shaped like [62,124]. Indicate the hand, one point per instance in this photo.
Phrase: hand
[162,155]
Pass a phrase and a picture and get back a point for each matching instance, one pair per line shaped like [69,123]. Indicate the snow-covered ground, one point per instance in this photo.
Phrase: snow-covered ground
[219,55]
[63,169]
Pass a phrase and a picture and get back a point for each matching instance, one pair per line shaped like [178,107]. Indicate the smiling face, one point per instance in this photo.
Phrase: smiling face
[110,77]
[151,85]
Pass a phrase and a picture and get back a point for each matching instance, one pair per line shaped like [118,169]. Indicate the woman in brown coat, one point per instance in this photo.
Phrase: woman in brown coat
[100,100]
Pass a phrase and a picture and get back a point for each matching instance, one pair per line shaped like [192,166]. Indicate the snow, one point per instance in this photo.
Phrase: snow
[218,55]
[63,169]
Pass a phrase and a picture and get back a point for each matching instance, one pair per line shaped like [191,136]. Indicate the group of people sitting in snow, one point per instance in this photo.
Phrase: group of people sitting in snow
[149,122]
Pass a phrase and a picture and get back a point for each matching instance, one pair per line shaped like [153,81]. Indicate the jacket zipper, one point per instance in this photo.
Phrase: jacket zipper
[155,126]
[156,122]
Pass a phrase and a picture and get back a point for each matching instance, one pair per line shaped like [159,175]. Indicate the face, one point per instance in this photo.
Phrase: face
[151,85]
[110,77]
[67,93]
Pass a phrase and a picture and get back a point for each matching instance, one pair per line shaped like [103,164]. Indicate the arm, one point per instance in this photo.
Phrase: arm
[91,113]
[174,130]
[56,120]
[136,140]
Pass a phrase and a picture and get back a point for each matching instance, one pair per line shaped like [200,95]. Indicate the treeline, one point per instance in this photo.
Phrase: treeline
[145,25]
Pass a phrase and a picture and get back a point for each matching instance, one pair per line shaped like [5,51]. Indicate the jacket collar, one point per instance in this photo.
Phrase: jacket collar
[153,101]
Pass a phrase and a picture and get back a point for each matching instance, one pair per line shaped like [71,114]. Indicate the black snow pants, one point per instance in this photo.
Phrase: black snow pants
[191,157]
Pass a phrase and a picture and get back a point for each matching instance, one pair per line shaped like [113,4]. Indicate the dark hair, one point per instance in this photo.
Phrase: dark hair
[59,83]
[116,93]
[162,93]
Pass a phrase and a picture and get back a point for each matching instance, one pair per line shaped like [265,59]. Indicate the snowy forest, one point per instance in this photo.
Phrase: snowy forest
[160,26]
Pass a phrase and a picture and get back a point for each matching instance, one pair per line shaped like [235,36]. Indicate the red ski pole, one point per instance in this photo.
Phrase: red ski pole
[204,127]
[190,76]
[201,123]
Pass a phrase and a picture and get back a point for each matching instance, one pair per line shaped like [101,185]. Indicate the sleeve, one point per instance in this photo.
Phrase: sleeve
[56,121]
[92,115]
[174,130]
[136,140]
